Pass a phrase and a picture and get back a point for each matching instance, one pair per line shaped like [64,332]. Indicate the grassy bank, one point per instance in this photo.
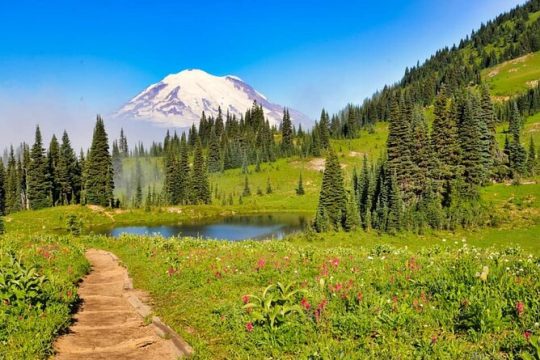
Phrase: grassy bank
[351,302]
[38,291]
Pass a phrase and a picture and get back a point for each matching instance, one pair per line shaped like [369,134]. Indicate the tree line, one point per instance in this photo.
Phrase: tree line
[428,179]
[38,178]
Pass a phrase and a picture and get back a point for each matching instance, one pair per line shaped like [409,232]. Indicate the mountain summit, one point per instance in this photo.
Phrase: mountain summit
[179,100]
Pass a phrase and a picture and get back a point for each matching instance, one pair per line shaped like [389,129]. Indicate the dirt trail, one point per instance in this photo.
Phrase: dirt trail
[107,325]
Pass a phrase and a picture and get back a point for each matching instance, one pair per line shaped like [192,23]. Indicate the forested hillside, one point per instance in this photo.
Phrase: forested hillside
[509,36]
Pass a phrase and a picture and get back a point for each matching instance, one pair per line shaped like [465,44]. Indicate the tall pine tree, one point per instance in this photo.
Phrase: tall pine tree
[38,178]
[99,183]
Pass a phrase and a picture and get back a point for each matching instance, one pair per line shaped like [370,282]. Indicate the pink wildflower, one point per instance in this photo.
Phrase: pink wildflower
[249,327]
[520,308]
[245,299]
[305,304]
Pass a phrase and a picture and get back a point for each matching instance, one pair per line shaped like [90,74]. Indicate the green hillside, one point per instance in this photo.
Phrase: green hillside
[514,76]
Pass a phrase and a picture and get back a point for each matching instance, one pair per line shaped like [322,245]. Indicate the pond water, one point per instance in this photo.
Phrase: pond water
[234,228]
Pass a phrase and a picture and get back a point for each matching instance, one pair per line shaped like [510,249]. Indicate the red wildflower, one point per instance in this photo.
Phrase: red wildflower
[336,288]
[335,262]
[433,339]
[320,309]
[520,308]
[249,327]
[360,296]
[261,263]
[245,299]
[527,335]
[305,304]
[171,271]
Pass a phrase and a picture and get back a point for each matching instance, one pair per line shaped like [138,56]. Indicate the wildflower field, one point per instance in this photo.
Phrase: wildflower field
[282,300]
[38,292]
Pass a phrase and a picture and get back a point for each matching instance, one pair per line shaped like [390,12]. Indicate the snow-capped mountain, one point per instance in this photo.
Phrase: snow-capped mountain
[179,100]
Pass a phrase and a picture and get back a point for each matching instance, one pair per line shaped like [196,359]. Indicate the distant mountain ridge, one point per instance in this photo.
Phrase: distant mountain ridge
[179,100]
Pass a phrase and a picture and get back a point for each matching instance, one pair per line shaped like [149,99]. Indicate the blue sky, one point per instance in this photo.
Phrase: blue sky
[61,62]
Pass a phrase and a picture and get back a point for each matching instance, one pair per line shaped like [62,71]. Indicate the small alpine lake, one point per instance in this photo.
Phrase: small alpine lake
[232,228]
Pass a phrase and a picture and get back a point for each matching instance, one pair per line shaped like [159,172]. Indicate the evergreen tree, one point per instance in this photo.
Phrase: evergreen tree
[470,133]
[517,155]
[420,152]
[324,130]
[200,186]
[2,227]
[38,178]
[172,177]
[99,184]
[68,173]
[53,159]
[12,185]
[286,134]
[531,158]
[123,144]
[300,188]
[352,217]
[444,140]
[269,189]
[364,194]
[184,171]
[490,150]
[247,190]
[332,196]
[321,223]
[138,194]
[214,152]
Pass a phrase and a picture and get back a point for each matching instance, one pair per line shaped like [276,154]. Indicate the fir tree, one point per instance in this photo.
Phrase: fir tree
[12,185]
[517,155]
[300,188]
[444,140]
[490,151]
[214,152]
[38,178]
[138,194]
[53,158]
[200,187]
[470,133]
[352,217]
[324,130]
[321,223]
[332,196]
[286,134]
[184,171]
[531,158]
[99,184]
[68,173]
[269,189]
[399,145]
[247,190]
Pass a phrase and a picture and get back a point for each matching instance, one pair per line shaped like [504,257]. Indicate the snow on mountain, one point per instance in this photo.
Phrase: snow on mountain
[179,100]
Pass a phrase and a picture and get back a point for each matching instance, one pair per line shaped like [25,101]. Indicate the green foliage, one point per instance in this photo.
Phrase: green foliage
[332,198]
[432,302]
[276,305]
[39,178]
[2,226]
[99,184]
[21,286]
[73,225]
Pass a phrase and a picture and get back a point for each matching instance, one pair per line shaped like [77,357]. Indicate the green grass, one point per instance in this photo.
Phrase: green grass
[378,301]
[530,129]
[514,76]
[27,331]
